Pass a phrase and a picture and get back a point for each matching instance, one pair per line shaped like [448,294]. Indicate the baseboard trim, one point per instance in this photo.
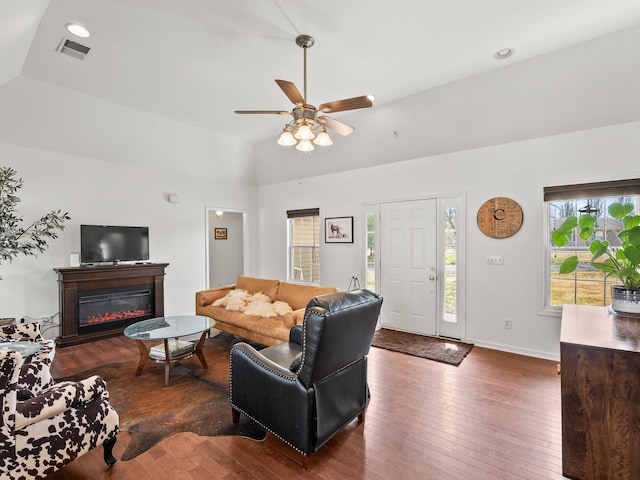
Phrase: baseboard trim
[511,349]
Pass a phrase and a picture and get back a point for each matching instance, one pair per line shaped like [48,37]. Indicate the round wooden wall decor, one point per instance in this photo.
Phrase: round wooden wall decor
[499,217]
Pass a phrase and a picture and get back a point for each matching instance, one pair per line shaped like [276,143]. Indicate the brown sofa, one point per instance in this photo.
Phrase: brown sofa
[264,330]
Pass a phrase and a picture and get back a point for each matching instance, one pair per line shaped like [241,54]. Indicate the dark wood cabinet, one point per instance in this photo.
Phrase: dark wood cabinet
[600,385]
[101,301]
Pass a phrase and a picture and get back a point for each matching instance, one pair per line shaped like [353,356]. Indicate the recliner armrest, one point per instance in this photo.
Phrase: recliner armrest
[295,334]
[59,398]
[253,355]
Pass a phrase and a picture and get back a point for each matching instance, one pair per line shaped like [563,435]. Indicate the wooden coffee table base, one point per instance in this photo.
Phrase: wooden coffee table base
[145,355]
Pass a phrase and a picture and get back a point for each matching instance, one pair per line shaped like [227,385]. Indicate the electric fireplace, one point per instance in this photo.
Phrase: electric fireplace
[101,301]
[104,308]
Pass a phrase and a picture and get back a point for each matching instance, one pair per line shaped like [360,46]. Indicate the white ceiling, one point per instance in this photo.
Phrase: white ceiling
[196,61]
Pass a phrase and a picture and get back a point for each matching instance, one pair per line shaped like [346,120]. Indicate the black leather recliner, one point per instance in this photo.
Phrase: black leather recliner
[306,390]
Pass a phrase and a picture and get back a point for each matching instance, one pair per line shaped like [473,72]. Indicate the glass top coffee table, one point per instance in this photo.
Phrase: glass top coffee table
[169,330]
[26,349]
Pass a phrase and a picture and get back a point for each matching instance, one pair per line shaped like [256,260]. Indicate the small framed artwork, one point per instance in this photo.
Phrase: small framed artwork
[338,230]
[220,233]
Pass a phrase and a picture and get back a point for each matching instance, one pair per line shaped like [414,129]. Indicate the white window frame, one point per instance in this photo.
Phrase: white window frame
[598,190]
[315,266]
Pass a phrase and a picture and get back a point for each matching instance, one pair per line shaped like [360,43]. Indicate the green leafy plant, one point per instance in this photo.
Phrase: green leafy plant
[15,239]
[621,261]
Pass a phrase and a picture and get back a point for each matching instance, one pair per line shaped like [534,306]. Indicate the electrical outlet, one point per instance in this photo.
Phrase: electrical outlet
[507,323]
[493,259]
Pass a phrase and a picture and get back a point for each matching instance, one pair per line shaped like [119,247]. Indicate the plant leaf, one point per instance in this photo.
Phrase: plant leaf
[586,223]
[598,248]
[607,266]
[619,210]
[559,238]
[569,265]
[562,235]
[633,236]
[631,221]
[632,254]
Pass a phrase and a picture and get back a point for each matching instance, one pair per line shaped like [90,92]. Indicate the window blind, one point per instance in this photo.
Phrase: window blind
[593,190]
[305,212]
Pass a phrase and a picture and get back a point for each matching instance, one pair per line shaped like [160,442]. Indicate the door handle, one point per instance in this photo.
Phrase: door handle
[432,278]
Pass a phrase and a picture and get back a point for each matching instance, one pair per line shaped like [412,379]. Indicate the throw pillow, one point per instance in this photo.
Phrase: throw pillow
[237,300]
[282,308]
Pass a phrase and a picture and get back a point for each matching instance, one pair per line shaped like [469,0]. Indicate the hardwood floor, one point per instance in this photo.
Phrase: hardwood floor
[496,416]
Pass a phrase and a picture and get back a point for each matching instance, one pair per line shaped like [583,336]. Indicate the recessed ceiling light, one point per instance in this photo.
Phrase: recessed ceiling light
[503,53]
[77,30]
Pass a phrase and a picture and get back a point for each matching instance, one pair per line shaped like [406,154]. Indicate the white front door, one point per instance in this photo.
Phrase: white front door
[409,266]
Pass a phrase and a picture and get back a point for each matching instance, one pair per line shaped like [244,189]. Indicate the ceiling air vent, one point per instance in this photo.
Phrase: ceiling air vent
[73,49]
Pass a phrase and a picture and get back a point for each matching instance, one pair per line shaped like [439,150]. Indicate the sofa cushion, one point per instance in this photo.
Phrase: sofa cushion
[299,295]
[258,285]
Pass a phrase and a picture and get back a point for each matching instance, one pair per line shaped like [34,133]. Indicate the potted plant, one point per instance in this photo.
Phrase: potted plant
[16,240]
[621,260]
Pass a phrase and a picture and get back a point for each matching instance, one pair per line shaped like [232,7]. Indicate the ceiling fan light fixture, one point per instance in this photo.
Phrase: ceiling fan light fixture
[306,123]
[323,139]
[305,146]
[286,138]
[304,133]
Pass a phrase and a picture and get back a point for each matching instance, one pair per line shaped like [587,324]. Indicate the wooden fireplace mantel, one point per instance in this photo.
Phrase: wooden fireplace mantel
[73,280]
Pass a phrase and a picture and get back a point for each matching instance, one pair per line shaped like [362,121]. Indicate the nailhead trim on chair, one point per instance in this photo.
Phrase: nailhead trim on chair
[291,378]
[269,430]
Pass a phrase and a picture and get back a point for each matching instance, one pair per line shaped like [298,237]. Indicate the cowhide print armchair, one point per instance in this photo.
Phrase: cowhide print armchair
[36,373]
[42,433]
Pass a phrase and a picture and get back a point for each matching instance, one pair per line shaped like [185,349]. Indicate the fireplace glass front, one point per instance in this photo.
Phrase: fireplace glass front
[99,310]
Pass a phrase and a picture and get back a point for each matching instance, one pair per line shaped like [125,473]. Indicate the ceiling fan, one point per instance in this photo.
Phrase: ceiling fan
[308,124]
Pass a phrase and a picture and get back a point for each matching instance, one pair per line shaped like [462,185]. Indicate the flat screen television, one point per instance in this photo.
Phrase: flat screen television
[105,243]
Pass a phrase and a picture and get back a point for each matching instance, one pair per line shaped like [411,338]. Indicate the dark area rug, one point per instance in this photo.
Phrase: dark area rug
[432,348]
[197,399]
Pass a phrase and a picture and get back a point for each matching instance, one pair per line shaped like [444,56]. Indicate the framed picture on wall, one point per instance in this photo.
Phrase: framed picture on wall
[338,230]
[220,233]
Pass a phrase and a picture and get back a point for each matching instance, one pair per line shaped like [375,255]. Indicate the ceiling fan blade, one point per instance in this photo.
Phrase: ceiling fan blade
[346,104]
[338,127]
[276,112]
[291,91]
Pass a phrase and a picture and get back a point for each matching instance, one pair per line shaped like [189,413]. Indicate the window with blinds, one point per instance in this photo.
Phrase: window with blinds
[587,285]
[304,245]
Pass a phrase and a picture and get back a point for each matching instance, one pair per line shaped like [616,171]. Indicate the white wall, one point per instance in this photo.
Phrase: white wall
[96,191]
[47,117]
[516,170]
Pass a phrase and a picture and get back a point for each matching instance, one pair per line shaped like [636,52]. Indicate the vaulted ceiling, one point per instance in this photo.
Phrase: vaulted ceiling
[196,61]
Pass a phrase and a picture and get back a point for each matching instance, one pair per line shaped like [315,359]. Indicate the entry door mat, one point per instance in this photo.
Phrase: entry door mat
[442,350]
[196,400]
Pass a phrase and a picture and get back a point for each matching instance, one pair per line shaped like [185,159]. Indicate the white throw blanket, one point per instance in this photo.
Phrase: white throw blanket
[257,304]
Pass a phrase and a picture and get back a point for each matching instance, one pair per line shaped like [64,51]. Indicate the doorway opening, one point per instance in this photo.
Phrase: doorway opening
[226,246]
